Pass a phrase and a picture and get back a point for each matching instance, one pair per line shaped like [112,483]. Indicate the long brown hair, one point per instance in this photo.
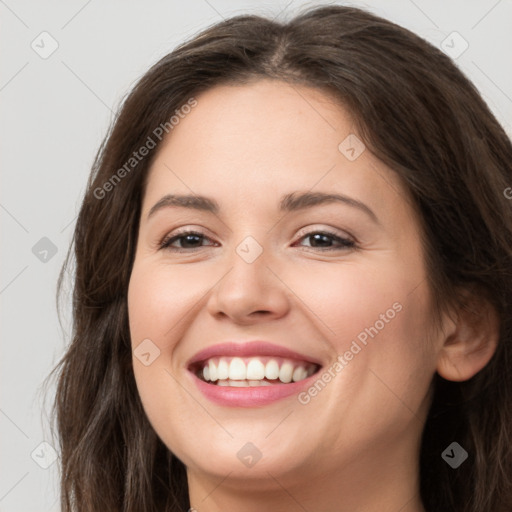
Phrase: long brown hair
[416,112]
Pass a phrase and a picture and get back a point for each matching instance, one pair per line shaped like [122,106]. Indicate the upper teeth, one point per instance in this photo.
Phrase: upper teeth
[256,368]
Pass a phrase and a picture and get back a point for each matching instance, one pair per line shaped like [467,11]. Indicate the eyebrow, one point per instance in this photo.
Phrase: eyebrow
[289,202]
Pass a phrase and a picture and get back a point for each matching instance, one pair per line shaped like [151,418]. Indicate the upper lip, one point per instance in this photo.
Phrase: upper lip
[253,348]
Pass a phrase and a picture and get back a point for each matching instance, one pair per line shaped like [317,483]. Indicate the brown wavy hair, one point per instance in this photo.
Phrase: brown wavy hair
[418,113]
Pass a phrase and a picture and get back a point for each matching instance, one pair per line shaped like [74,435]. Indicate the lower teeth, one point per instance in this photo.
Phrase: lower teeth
[244,383]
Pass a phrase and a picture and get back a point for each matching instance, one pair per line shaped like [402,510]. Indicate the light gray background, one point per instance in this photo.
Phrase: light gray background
[55,112]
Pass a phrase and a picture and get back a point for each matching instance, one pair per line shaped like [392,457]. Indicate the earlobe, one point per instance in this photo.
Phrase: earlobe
[472,343]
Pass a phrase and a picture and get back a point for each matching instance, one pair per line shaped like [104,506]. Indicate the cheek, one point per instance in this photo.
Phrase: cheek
[377,320]
[348,299]
[376,314]
[158,299]
[153,310]
[156,307]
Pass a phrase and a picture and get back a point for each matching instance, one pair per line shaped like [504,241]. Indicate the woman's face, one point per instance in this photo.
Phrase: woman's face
[337,287]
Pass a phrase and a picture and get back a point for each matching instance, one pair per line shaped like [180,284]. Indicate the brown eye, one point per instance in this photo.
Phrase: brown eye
[323,240]
[188,240]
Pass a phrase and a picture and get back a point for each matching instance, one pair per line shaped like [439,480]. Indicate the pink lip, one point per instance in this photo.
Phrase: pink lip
[250,349]
[249,396]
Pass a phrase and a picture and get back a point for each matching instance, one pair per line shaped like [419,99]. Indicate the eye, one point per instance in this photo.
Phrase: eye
[321,240]
[325,237]
[186,238]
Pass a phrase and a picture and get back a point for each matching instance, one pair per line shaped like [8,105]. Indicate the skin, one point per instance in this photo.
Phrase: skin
[355,445]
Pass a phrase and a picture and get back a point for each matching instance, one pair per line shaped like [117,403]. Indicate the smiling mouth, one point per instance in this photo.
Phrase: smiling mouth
[252,371]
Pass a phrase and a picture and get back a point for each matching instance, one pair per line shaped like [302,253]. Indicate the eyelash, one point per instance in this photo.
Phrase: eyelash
[344,242]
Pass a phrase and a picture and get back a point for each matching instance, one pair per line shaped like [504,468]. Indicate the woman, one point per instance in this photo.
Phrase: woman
[293,281]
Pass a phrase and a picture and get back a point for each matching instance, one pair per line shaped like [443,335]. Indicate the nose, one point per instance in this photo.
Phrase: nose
[249,292]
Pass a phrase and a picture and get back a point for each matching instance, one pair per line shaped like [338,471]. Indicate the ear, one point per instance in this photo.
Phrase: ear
[472,341]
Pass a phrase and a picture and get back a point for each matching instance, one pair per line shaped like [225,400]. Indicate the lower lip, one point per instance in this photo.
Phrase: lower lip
[250,396]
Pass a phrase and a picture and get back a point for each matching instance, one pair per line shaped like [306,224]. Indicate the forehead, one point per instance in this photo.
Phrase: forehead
[258,141]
